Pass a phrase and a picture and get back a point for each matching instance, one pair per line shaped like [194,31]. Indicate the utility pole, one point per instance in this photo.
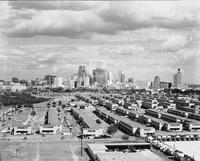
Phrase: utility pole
[3,111]
[81,140]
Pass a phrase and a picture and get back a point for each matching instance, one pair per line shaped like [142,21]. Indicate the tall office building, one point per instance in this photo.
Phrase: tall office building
[50,79]
[73,81]
[83,79]
[131,82]
[121,77]
[58,82]
[100,77]
[156,83]
[177,79]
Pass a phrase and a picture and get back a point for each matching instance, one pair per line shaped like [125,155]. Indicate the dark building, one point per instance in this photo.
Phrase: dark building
[15,80]
[156,83]
[130,80]
[50,79]
[83,77]
[122,78]
[24,82]
[100,77]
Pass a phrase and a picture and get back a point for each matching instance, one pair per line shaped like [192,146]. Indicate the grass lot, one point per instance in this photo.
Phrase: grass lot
[43,151]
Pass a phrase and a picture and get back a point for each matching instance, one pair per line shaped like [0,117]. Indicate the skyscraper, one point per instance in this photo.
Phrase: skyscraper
[121,77]
[50,79]
[100,77]
[177,79]
[83,77]
[156,83]
[131,82]
[58,82]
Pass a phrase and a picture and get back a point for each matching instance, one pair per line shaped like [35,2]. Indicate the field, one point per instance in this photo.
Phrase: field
[41,151]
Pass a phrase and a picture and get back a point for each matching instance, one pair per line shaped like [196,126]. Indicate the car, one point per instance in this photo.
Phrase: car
[6,130]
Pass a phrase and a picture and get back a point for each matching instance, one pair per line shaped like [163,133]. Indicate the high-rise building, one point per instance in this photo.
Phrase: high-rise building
[121,77]
[73,81]
[110,78]
[58,82]
[50,79]
[156,83]
[131,82]
[100,77]
[83,79]
[177,79]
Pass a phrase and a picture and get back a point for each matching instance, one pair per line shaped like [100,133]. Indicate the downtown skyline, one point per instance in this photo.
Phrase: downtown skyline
[143,39]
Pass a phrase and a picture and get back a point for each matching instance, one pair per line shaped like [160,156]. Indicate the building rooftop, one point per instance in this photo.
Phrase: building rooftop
[124,119]
[144,155]
[89,118]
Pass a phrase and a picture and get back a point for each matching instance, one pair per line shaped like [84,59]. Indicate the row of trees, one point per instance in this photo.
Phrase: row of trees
[20,99]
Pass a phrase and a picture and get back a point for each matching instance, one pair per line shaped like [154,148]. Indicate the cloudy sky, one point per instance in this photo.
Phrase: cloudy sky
[143,39]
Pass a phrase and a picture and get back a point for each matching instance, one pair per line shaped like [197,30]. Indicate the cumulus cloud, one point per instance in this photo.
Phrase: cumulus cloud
[138,37]
[61,23]
[53,5]
[175,42]
[136,15]
[79,22]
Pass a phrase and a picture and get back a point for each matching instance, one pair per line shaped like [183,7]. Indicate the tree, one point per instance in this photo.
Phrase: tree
[59,103]
[63,106]
[125,137]
[33,113]
[15,80]
[98,121]
[111,129]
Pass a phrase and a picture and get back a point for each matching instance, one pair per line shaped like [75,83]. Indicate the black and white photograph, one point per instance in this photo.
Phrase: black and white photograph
[100,80]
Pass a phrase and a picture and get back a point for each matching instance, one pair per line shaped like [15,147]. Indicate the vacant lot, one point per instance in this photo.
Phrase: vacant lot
[43,151]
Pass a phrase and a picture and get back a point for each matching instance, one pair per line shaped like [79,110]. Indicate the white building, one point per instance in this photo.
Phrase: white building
[142,84]
[14,87]
[177,79]
[58,82]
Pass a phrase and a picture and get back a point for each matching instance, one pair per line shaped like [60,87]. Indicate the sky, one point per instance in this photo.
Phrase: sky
[140,38]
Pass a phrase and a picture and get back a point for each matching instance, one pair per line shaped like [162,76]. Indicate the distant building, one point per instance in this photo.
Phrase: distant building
[121,77]
[100,77]
[83,79]
[40,82]
[58,82]
[73,81]
[24,82]
[142,84]
[131,82]
[177,79]
[165,85]
[156,83]
[50,79]
[17,87]
[15,80]
[192,86]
